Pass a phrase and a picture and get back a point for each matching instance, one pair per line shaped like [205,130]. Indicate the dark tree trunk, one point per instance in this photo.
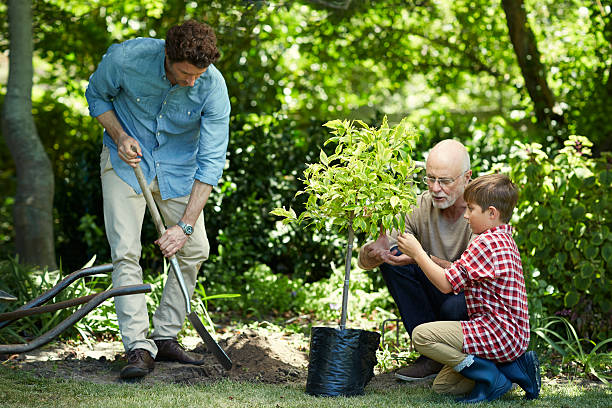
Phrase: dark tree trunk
[528,57]
[33,208]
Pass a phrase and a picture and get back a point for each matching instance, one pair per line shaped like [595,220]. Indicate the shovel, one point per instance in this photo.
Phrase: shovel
[211,344]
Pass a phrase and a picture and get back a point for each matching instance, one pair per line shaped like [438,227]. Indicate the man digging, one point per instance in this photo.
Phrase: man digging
[164,106]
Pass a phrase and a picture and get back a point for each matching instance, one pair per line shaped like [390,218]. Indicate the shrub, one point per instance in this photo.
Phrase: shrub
[264,292]
[592,358]
[324,298]
[564,229]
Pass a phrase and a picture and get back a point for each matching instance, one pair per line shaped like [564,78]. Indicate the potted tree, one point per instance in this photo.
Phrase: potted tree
[362,187]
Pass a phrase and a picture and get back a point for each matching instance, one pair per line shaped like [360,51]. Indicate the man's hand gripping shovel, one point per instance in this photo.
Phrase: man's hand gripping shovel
[211,344]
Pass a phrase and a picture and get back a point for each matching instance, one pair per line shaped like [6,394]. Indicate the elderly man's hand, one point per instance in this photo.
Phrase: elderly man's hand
[374,251]
[396,258]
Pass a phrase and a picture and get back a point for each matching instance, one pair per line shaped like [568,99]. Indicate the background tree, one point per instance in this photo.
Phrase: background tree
[33,208]
[529,60]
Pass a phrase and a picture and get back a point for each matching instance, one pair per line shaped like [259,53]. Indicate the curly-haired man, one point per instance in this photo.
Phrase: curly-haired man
[164,105]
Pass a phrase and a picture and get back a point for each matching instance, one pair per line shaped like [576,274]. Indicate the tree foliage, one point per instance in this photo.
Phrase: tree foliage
[449,66]
[565,231]
[364,184]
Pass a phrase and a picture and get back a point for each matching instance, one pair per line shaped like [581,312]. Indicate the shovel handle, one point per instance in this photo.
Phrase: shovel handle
[211,344]
[159,224]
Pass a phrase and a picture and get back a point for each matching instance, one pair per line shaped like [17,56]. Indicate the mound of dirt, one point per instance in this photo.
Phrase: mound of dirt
[257,356]
[269,358]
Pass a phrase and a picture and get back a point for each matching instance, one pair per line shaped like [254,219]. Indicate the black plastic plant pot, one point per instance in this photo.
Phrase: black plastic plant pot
[341,362]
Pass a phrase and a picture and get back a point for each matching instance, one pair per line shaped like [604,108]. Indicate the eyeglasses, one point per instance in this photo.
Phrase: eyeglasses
[444,181]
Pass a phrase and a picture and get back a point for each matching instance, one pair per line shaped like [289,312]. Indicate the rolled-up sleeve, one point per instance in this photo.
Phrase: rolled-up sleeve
[214,136]
[105,82]
[456,276]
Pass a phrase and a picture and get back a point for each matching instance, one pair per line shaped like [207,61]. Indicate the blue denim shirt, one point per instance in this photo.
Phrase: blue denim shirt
[182,131]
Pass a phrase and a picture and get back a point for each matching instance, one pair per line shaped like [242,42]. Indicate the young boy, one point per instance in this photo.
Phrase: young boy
[491,274]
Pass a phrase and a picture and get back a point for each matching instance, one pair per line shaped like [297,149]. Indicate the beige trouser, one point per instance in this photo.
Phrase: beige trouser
[443,342]
[123,217]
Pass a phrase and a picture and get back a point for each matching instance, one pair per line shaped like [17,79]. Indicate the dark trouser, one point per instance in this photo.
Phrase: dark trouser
[418,300]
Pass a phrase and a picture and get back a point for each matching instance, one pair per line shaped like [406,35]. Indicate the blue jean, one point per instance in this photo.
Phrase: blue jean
[418,300]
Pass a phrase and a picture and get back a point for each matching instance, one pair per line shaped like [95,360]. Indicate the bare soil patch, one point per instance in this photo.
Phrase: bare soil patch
[256,357]
[271,358]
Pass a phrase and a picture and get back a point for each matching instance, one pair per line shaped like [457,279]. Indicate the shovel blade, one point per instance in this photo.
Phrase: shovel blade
[211,344]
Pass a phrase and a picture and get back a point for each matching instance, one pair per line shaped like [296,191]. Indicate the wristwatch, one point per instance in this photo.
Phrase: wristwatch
[187,229]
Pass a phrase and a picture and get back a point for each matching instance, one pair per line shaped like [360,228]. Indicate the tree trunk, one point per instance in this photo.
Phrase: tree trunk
[33,208]
[528,57]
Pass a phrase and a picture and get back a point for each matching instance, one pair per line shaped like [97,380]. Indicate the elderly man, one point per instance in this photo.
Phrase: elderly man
[437,222]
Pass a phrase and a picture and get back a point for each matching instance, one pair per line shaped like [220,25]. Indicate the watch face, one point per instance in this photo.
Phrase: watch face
[188,229]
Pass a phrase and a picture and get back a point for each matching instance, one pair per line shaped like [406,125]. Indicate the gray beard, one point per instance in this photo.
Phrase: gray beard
[445,205]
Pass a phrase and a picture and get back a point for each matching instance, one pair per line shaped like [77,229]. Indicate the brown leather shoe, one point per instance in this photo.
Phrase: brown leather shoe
[422,369]
[140,363]
[171,350]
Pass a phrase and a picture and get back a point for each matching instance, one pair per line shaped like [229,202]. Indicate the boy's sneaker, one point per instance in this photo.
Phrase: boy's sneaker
[423,368]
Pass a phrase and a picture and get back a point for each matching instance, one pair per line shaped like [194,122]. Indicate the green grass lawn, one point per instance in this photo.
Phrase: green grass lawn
[21,389]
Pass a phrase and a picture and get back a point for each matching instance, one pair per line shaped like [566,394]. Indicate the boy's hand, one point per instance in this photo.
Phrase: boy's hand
[409,245]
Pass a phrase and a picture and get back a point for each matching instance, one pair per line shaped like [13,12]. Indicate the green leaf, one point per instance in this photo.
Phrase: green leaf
[281,212]
[571,299]
[359,224]
[590,251]
[334,124]
[323,158]
[581,283]
[373,230]
[587,270]
[561,258]
[536,238]
[597,238]
[605,178]
[585,174]
[532,171]
[578,212]
[606,252]
[394,201]
[589,181]
[543,212]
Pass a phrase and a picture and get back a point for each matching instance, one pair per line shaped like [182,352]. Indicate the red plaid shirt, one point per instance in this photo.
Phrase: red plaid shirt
[491,274]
